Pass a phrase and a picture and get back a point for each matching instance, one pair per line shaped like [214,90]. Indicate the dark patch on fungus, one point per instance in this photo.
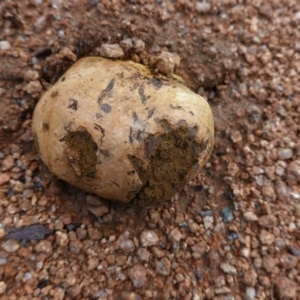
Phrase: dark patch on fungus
[150,113]
[135,116]
[45,127]
[73,104]
[156,82]
[81,152]
[107,91]
[142,94]
[104,152]
[176,107]
[130,135]
[106,108]
[54,94]
[63,79]
[191,113]
[171,156]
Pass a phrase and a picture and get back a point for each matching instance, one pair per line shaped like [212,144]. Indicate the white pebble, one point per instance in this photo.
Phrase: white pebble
[4,45]
[250,293]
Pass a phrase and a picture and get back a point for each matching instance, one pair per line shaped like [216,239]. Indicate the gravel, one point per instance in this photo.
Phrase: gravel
[233,231]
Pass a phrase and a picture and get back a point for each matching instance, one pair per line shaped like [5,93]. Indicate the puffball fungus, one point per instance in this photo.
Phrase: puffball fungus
[114,129]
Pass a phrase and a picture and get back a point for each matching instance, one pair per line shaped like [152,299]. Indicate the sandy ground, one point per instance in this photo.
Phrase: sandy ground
[233,232]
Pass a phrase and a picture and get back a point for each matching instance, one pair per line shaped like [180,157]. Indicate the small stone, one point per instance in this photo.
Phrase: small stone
[198,250]
[285,153]
[229,269]
[208,221]
[293,171]
[250,216]
[194,227]
[285,288]
[163,266]
[129,296]
[250,277]
[2,287]
[227,214]
[138,45]
[158,252]
[58,293]
[250,293]
[143,254]
[98,211]
[126,44]
[61,239]
[222,290]
[203,7]
[11,246]
[74,291]
[236,136]
[288,261]
[165,63]
[81,233]
[92,263]
[31,75]
[127,246]
[138,275]
[4,45]
[8,163]
[267,221]
[111,51]
[95,234]
[175,235]
[266,238]
[4,178]
[219,281]
[268,263]
[44,247]
[75,246]
[148,238]
[33,87]
[67,53]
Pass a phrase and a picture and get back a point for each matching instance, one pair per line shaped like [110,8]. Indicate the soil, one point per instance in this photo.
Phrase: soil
[231,233]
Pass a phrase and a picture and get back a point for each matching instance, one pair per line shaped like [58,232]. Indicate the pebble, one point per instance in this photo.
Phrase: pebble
[250,293]
[293,170]
[4,45]
[126,44]
[285,153]
[11,245]
[44,246]
[267,221]
[143,254]
[175,235]
[98,211]
[148,238]
[67,53]
[222,290]
[163,266]
[138,275]
[198,250]
[229,269]
[236,136]
[92,263]
[33,87]
[4,178]
[266,238]
[227,214]
[111,51]
[138,45]
[58,293]
[250,277]
[208,221]
[269,263]
[8,163]
[203,7]
[2,287]
[165,63]
[250,216]
[285,288]
[288,261]
[127,246]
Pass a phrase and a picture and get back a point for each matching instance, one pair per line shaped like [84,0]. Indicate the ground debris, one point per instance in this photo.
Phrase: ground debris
[32,232]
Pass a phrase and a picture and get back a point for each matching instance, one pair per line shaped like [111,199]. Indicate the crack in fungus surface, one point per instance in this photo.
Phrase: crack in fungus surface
[171,157]
[81,150]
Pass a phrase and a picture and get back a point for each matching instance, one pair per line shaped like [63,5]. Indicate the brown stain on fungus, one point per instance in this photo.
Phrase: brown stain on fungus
[171,156]
[73,104]
[81,151]
[45,127]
